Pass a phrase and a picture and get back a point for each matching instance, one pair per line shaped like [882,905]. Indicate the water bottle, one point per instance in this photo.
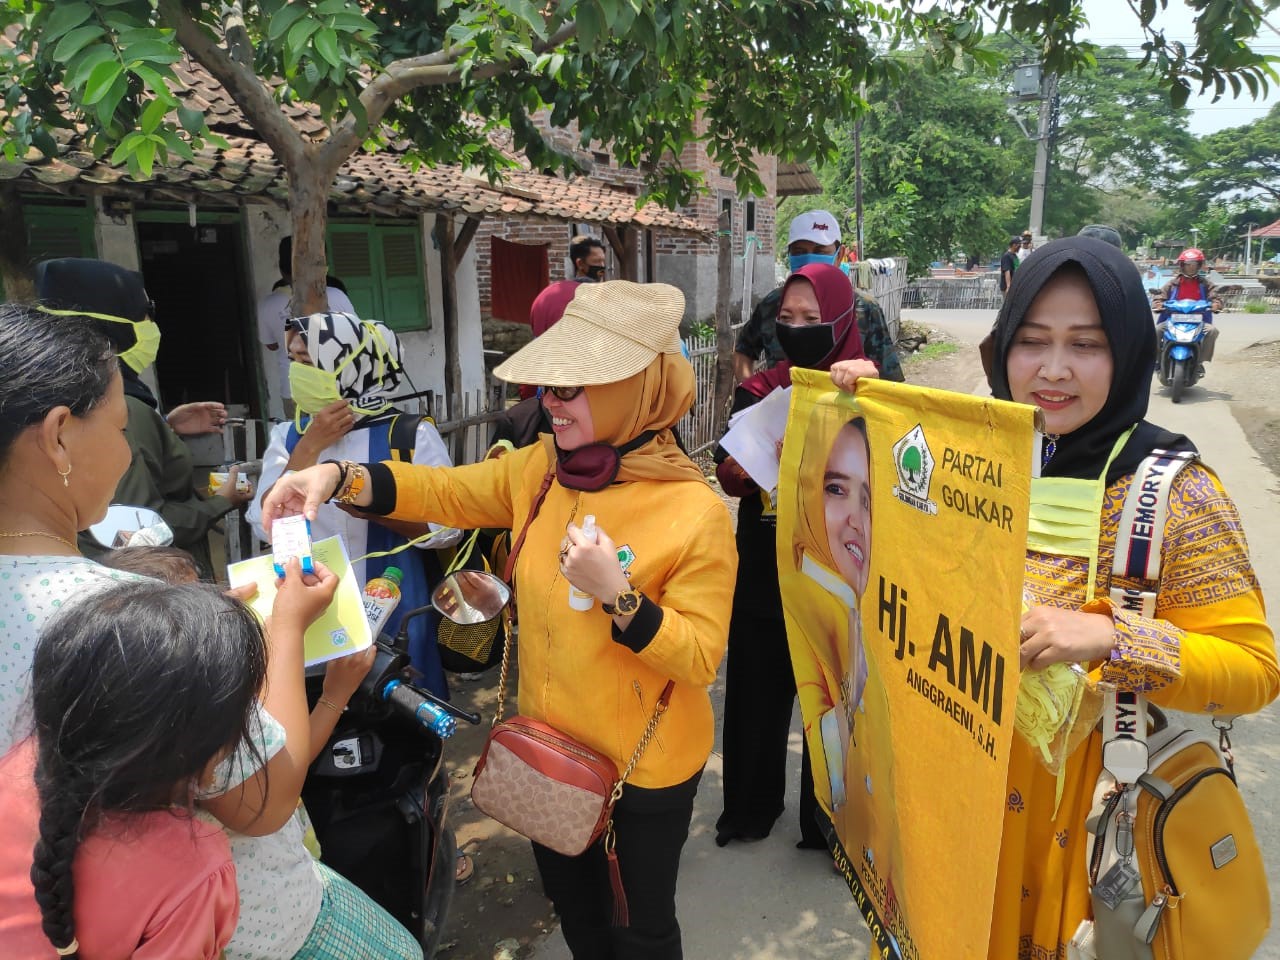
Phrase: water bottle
[381,597]
[577,599]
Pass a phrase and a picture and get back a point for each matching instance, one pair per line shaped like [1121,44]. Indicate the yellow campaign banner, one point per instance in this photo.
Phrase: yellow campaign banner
[902,530]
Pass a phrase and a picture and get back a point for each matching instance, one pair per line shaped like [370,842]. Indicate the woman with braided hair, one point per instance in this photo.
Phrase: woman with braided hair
[135,697]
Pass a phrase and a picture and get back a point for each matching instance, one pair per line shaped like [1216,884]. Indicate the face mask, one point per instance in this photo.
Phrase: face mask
[807,346]
[595,274]
[143,352]
[313,389]
[594,466]
[146,336]
[799,260]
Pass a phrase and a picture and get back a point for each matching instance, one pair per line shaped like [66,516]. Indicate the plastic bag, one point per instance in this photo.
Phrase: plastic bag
[1057,708]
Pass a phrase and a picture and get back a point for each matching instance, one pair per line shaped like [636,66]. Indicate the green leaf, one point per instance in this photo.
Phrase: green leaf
[589,26]
[83,65]
[76,40]
[106,108]
[192,120]
[145,156]
[327,7]
[100,81]
[177,145]
[157,79]
[326,43]
[151,51]
[299,35]
[286,18]
[65,17]
[43,141]
[152,116]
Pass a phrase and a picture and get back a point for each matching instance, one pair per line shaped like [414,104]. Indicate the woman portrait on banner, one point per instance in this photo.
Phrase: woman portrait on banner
[1075,338]
[160,475]
[846,713]
[344,374]
[816,327]
[651,594]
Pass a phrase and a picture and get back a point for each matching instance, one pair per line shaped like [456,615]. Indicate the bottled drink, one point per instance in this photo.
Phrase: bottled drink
[577,599]
[381,597]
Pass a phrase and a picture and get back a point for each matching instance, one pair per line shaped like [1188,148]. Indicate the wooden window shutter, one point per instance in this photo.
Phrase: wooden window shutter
[352,260]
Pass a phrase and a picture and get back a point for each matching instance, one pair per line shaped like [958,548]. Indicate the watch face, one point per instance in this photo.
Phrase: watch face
[628,602]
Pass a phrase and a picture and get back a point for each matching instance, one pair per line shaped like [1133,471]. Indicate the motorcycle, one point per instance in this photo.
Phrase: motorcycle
[1178,362]
[378,793]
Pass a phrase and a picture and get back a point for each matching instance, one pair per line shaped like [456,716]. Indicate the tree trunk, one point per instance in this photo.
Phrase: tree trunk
[724,333]
[309,213]
[449,299]
[15,271]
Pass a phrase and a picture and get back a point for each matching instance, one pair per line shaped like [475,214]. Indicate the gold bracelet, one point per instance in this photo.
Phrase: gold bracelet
[326,702]
[353,482]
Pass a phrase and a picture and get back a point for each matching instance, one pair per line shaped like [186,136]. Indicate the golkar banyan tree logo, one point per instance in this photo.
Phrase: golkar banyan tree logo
[914,464]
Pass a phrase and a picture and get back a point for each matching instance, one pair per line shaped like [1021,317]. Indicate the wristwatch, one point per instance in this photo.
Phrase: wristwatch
[625,604]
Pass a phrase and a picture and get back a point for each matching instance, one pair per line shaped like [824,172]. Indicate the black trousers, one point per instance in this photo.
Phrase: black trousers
[651,828]
[760,693]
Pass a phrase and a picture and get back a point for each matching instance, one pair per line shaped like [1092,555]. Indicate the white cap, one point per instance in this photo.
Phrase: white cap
[818,226]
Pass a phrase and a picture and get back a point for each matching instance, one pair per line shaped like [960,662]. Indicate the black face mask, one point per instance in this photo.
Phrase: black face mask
[807,346]
[595,274]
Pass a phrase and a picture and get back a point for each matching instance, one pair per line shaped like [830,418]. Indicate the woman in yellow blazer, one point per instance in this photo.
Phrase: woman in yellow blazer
[842,698]
[660,577]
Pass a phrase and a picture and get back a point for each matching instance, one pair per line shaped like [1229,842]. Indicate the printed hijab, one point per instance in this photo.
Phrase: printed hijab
[1127,322]
[837,305]
[365,356]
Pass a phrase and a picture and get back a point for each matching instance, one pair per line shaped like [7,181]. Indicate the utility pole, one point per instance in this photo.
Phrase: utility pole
[1040,178]
[1248,249]
[857,177]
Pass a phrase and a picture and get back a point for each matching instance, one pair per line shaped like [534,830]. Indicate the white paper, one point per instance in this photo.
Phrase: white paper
[754,435]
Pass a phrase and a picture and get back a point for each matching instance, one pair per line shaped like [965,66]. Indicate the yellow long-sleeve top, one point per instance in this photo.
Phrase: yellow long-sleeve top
[577,672]
[1208,649]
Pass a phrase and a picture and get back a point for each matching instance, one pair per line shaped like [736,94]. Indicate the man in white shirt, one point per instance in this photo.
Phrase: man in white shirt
[273,311]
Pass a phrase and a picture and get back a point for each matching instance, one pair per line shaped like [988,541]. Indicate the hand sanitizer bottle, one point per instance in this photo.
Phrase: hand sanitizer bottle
[577,599]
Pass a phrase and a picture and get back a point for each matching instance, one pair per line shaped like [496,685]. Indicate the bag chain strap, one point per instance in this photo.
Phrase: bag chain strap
[664,700]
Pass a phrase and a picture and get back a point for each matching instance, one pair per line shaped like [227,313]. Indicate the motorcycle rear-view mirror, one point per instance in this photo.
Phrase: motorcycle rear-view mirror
[129,526]
[470,597]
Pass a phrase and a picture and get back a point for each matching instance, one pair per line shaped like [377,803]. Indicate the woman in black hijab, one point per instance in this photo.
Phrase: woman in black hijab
[1075,337]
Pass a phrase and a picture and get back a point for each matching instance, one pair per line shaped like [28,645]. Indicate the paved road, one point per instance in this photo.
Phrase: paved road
[769,901]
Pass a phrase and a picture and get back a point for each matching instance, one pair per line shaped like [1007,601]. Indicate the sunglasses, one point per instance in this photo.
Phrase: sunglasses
[563,394]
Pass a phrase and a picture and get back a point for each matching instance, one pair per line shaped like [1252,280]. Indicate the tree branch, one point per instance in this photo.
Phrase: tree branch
[240,82]
[239,46]
[432,70]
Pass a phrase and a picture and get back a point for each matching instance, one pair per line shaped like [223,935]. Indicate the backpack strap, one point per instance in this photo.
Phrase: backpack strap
[1139,549]
[402,436]
[1140,537]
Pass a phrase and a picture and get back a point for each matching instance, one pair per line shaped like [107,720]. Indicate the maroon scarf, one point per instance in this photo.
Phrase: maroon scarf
[837,305]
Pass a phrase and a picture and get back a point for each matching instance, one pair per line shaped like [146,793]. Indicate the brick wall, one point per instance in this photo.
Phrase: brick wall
[600,165]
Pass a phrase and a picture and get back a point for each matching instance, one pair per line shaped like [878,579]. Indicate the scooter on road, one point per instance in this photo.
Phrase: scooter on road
[1178,363]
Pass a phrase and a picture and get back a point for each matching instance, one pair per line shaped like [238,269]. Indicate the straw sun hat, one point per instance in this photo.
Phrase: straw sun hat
[610,331]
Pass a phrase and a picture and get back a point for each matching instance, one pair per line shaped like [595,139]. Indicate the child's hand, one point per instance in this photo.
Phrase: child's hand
[342,677]
[300,597]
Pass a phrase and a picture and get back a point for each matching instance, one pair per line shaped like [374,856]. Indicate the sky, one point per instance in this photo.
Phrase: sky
[1112,22]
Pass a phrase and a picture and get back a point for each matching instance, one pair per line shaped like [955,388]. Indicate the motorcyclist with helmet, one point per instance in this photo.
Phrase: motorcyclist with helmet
[1190,284]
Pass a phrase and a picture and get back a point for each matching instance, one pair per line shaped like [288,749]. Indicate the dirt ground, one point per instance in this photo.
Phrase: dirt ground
[1254,396]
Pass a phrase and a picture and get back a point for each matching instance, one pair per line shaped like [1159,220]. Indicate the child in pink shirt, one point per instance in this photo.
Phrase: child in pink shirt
[135,696]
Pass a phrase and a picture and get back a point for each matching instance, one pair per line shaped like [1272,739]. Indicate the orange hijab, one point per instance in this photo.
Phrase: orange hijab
[652,400]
